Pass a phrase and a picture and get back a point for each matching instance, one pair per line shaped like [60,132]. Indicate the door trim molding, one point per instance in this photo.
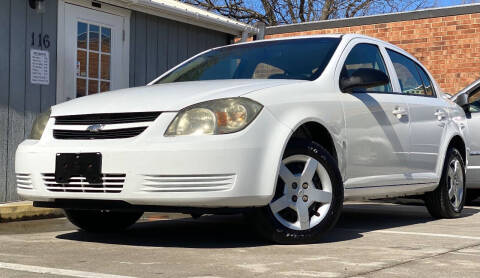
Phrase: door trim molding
[61,40]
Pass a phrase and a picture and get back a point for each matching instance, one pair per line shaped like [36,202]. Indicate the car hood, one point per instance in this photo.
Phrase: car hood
[163,97]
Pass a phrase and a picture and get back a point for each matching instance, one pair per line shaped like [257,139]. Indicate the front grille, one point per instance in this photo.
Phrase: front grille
[102,134]
[24,181]
[128,125]
[111,183]
[107,118]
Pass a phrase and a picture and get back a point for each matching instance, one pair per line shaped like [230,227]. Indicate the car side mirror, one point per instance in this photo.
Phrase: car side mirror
[364,78]
[462,101]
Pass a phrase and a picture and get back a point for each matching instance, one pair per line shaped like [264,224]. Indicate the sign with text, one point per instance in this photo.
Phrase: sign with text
[39,67]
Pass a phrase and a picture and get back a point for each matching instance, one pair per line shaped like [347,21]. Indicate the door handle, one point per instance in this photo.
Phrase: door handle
[399,112]
[441,115]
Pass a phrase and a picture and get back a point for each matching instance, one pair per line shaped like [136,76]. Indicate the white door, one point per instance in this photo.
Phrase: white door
[96,52]
[377,124]
[428,116]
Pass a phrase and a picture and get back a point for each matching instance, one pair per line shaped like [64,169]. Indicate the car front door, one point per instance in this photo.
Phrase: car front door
[377,122]
[428,116]
[473,122]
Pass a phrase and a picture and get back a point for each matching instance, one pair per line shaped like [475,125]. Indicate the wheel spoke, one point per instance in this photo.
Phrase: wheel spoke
[456,167]
[451,192]
[286,175]
[303,216]
[281,203]
[309,170]
[458,196]
[320,196]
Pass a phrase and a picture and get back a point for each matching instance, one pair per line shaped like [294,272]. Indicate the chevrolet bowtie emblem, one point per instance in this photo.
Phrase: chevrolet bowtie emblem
[95,127]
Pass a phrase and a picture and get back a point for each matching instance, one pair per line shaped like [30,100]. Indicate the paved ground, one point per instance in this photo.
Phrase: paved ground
[371,240]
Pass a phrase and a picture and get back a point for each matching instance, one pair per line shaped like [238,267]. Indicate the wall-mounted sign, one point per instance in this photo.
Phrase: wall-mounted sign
[39,67]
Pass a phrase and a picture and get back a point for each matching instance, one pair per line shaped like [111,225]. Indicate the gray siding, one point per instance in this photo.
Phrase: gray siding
[20,101]
[158,44]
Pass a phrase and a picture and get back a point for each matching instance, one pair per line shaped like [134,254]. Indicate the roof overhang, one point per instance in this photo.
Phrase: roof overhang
[186,13]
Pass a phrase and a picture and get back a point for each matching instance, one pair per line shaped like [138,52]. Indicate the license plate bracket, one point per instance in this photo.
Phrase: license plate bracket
[87,165]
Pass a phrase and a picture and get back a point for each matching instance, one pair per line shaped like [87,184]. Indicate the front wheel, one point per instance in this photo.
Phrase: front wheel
[98,221]
[308,198]
[448,199]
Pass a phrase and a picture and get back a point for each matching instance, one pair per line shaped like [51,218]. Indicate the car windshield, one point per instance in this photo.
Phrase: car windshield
[303,59]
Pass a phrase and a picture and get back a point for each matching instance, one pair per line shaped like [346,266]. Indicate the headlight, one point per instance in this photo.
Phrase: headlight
[219,116]
[39,125]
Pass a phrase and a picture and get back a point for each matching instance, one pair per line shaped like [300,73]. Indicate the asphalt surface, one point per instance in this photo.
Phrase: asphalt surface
[371,240]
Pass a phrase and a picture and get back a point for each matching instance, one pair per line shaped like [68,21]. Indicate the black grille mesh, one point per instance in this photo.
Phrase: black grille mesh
[102,134]
[107,118]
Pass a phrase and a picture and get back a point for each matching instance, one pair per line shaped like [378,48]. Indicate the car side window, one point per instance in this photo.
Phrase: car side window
[474,101]
[427,83]
[408,74]
[365,55]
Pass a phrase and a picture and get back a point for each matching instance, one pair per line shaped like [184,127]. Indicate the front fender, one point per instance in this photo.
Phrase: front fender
[456,126]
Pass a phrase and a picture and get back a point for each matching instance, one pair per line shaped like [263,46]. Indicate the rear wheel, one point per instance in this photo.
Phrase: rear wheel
[102,220]
[448,199]
[308,198]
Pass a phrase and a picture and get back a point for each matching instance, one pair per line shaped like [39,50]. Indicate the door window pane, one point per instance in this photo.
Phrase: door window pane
[474,101]
[93,65]
[82,63]
[407,73]
[104,86]
[82,35]
[92,87]
[93,68]
[93,37]
[427,83]
[365,56]
[81,87]
[106,38]
[105,67]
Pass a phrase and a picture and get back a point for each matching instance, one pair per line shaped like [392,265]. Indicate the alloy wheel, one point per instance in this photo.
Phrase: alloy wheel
[455,183]
[307,193]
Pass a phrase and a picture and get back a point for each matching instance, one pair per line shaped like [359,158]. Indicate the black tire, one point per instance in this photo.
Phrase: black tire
[270,228]
[472,195]
[438,202]
[100,221]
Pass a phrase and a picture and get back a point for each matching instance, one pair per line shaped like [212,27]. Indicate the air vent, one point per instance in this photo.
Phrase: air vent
[111,183]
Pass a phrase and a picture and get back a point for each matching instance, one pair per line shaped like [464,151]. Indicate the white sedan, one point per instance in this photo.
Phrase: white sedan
[282,130]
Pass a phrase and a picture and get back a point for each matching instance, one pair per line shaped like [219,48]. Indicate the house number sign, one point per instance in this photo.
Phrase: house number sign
[40,40]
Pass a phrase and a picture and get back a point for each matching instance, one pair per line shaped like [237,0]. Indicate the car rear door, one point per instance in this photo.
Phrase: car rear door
[428,116]
[377,122]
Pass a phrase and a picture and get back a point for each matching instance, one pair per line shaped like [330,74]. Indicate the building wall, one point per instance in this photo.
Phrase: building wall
[447,42]
[21,101]
[159,44]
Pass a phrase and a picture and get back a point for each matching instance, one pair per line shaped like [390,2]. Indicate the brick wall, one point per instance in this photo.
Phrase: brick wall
[448,46]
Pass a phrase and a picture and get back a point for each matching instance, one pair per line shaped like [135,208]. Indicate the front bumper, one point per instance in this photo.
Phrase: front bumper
[233,170]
